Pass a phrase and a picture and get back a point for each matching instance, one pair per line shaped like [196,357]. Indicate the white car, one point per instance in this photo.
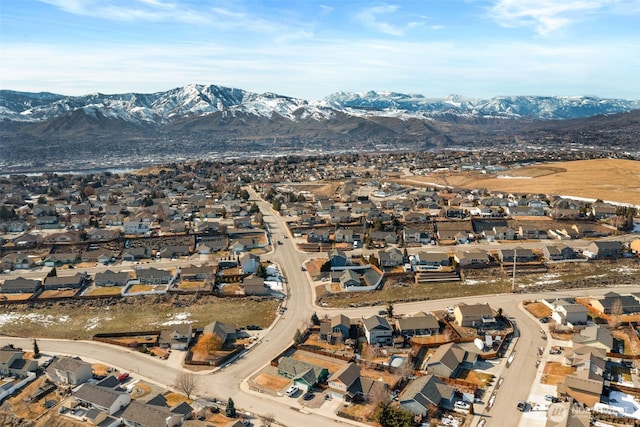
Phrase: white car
[292,390]
[461,405]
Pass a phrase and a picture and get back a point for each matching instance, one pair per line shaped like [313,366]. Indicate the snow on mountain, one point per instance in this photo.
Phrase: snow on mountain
[199,100]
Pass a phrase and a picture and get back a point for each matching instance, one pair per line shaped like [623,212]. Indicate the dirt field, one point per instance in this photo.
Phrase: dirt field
[481,379]
[188,284]
[607,179]
[555,373]
[58,293]
[22,408]
[15,297]
[271,382]
[140,288]
[538,309]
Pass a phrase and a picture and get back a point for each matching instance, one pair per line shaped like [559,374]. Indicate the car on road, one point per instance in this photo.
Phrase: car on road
[548,397]
[292,390]
[522,406]
[545,319]
[461,405]
[382,312]
[450,310]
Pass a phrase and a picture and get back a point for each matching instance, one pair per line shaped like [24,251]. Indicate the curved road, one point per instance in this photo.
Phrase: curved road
[230,380]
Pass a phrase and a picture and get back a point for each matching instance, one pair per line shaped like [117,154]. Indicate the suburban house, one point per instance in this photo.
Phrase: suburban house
[594,336]
[603,250]
[20,285]
[13,363]
[337,258]
[558,252]
[178,337]
[153,276]
[223,331]
[474,315]
[254,285]
[377,330]
[139,414]
[134,254]
[473,258]
[69,370]
[304,375]
[338,325]
[517,254]
[136,227]
[448,359]
[59,282]
[347,384]
[418,325]
[431,261]
[587,383]
[249,263]
[102,398]
[344,235]
[391,257]
[349,278]
[194,272]
[111,278]
[424,392]
[611,302]
[569,312]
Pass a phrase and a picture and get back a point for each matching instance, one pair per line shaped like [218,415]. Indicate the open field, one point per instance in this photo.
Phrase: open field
[272,382]
[555,373]
[494,281]
[607,179]
[538,309]
[86,318]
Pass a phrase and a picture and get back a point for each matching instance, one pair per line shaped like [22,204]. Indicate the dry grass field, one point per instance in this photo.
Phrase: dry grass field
[271,382]
[103,290]
[332,365]
[15,297]
[141,288]
[58,293]
[191,284]
[538,309]
[481,379]
[607,179]
[555,372]
[82,321]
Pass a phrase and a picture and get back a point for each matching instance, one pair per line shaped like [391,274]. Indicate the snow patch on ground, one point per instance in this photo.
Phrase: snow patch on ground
[177,319]
[625,270]
[94,322]
[44,320]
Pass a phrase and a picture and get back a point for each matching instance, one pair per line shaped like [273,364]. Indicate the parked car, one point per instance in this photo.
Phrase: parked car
[545,319]
[123,377]
[382,312]
[549,397]
[308,396]
[461,405]
[450,310]
[522,405]
[292,390]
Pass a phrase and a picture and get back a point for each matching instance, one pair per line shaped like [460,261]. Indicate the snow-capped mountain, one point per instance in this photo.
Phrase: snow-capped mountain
[538,107]
[201,100]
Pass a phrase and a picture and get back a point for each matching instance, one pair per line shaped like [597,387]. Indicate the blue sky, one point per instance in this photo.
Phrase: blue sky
[310,49]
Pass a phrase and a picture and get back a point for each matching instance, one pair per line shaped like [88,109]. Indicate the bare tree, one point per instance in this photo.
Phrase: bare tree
[616,314]
[268,420]
[187,383]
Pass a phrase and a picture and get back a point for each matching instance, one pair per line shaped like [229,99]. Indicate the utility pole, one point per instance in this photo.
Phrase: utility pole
[513,278]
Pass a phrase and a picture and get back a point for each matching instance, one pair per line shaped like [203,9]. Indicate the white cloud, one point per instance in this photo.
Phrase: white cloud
[372,18]
[313,69]
[546,16]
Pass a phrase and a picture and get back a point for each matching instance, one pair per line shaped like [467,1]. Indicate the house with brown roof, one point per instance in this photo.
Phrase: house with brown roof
[139,414]
[111,278]
[254,285]
[58,282]
[178,337]
[426,392]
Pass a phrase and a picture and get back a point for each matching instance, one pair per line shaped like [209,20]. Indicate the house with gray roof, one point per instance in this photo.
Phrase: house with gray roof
[423,392]
[473,315]
[610,249]
[102,398]
[58,282]
[153,276]
[224,331]
[594,336]
[69,370]
[377,330]
[111,278]
[448,359]
[304,375]
[347,384]
[139,414]
[12,362]
[20,285]
[419,324]
[611,301]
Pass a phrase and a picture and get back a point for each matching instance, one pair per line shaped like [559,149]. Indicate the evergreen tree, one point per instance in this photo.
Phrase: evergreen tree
[36,349]
[231,409]
[390,310]
[315,319]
